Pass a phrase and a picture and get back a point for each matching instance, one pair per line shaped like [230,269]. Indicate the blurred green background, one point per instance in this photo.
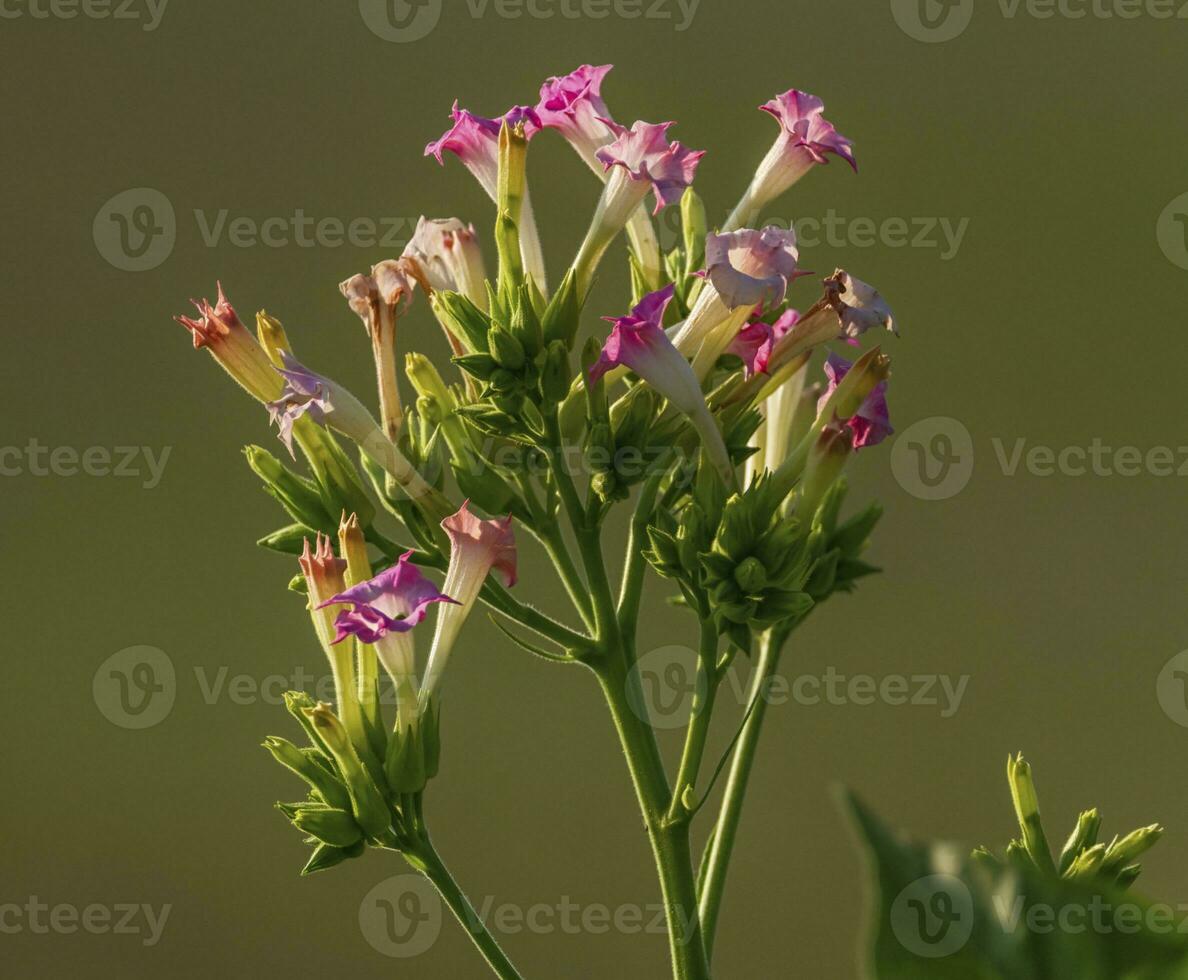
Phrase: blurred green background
[1058,320]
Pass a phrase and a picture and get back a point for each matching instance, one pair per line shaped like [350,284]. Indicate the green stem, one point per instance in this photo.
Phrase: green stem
[680,809]
[669,841]
[716,862]
[432,866]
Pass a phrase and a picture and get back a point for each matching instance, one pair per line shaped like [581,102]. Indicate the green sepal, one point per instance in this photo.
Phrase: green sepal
[561,316]
[287,540]
[405,763]
[328,824]
[329,788]
[463,319]
[326,856]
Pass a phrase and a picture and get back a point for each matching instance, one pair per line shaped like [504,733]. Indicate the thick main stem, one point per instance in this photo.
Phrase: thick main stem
[669,840]
[717,857]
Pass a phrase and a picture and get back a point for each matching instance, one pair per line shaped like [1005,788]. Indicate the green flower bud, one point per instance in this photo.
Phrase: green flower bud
[561,316]
[322,782]
[1084,835]
[1028,813]
[405,764]
[600,448]
[505,348]
[751,576]
[462,318]
[694,226]
[326,856]
[287,540]
[329,825]
[370,808]
[503,380]
[298,496]
[480,366]
[1123,852]
[525,324]
[555,375]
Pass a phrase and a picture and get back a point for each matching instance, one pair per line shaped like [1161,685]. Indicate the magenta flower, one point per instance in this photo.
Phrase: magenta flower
[572,104]
[477,548]
[749,268]
[475,141]
[806,139]
[394,601]
[219,329]
[645,154]
[872,424]
[756,341]
[638,342]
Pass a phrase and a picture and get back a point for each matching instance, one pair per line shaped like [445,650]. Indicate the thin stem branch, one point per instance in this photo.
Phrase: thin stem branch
[435,870]
[680,810]
[716,862]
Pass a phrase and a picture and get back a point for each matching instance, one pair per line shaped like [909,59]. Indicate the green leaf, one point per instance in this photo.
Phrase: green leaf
[938,914]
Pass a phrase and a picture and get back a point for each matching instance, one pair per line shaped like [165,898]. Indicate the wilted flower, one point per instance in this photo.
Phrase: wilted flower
[872,423]
[380,300]
[448,255]
[306,392]
[477,548]
[847,309]
[219,329]
[806,138]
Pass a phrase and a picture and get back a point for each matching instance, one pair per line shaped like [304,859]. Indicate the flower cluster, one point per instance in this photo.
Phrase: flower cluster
[715,397]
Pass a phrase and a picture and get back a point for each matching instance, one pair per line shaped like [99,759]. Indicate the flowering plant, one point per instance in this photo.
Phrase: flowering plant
[712,406]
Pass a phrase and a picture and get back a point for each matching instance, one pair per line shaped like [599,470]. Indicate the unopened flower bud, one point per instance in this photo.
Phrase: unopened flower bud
[555,376]
[505,348]
[319,779]
[368,805]
[328,824]
[751,576]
